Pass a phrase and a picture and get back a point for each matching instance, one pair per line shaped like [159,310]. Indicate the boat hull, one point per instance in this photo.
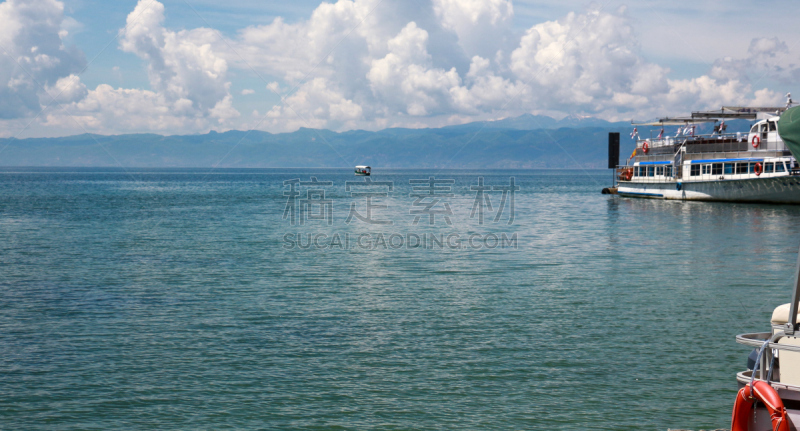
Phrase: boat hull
[783,190]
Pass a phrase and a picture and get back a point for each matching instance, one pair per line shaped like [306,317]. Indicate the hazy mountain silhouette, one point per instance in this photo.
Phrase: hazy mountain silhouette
[527,141]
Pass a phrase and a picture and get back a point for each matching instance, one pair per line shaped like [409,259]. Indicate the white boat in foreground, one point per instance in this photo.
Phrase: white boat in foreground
[769,391]
[744,167]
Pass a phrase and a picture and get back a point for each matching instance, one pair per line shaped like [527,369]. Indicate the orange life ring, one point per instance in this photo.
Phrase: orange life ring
[763,392]
[758,169]
[645,147]
[628,174]
[756,141]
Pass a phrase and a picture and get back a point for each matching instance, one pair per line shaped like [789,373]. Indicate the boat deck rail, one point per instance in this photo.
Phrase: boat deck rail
[756,340]
[670,141]
[710,155]
[743,377]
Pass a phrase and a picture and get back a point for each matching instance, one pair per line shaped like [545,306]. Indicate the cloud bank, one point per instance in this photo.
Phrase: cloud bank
[364,64]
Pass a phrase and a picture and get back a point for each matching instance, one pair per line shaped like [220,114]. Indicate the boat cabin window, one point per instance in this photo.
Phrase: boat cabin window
[754,129]
[650,171]
[716,169]
[769,168]
[706,169]
[694,171]
[741,168]
[772,127]
[779,167]
[763,127]
[728,168]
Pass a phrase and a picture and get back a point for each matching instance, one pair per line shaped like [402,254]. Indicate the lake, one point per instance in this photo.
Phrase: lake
[410,299]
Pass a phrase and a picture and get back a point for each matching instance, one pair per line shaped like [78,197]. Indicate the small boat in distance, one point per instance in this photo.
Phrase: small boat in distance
[363,170]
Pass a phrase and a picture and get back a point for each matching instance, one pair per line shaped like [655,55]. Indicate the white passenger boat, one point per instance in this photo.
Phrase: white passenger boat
[769,390]
[754,166]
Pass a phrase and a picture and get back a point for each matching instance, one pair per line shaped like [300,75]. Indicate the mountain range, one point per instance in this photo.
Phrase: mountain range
[527,141]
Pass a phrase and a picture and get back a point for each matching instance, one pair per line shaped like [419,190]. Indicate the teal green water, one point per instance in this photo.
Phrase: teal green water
[170,299]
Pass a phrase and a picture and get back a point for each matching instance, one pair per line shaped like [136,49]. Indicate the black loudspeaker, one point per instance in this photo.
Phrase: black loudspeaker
[613,150]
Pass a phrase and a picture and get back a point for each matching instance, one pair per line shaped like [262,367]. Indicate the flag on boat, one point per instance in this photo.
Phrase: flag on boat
[632,154]
[661,133]
[635,133]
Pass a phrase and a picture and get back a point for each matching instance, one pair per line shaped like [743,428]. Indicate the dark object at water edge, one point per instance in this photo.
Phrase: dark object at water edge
[609,191]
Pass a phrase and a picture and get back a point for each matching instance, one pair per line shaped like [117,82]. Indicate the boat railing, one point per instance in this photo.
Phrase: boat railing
[668,141]
[711,155]
[756,340]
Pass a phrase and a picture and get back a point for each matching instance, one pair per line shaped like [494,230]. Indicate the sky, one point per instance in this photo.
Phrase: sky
[190,66]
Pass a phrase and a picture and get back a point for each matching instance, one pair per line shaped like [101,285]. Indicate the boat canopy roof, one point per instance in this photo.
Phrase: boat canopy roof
[755,109]
[744,112]
[676,121]
[739,112]
[362,167]
[725,114]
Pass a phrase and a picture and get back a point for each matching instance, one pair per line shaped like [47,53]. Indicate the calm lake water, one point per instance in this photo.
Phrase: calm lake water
[197,299]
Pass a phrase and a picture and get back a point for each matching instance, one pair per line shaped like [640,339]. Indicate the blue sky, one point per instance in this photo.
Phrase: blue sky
[175,66]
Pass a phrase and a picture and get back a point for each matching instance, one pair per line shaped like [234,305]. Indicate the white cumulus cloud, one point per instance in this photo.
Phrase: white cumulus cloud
[34,57]
[482,26]
[316,104]
[182,66]
[766,57]
[368,64]
[189,90]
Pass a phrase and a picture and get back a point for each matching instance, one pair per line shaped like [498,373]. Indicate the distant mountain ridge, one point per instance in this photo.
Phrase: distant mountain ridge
[527,141]
[543,122]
